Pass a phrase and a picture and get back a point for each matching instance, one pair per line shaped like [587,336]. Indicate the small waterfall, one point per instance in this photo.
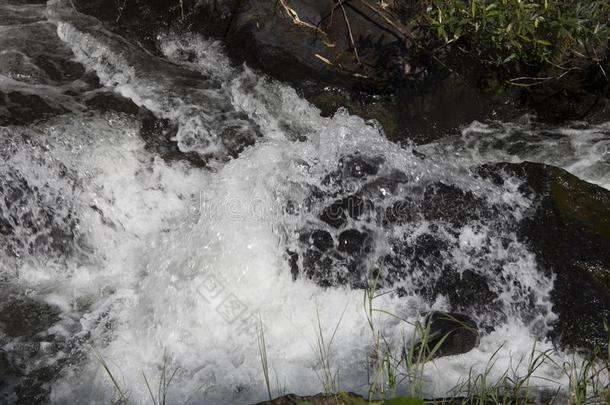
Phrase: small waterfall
[142,258]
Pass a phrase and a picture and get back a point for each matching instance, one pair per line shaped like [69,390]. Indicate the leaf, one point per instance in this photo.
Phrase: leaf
[404,401]
[543,42]
[511,57]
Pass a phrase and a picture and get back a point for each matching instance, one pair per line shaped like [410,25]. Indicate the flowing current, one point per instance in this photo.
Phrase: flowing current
[170,238]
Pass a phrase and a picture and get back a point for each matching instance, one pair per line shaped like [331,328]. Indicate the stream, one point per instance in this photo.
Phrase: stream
[159,211]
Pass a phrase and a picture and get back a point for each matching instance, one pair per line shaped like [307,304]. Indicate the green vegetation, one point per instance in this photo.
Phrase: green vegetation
[529,31]
[523,43]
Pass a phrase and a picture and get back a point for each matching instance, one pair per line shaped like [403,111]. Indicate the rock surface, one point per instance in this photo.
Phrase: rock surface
[454,333]
[319,399]
[291,37]
[375,223]
[570,233]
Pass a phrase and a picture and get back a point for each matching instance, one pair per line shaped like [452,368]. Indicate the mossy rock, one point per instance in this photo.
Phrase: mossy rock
[341,398]
[579,201]
[568,229]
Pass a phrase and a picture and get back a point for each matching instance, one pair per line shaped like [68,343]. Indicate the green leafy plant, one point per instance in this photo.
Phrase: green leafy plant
[531,31]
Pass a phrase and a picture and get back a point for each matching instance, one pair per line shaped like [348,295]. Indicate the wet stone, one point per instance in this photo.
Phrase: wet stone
[358,167]
[336,215]
[320,240]
[353,168]
[464,290]
[449,203]
[401,212]
[26,317]
[107,101]
[442,240]
[34,221]
[158,134]
[458,333]
[354,242]
[22,109]
[384,186]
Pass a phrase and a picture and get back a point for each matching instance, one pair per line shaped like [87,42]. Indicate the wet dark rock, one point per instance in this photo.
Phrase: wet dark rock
[21,316]
[386,184]
[344,398]
[337,214]
[465,290]
[351,171]
[264,34]
[31,355]
[569,231]
[261,33]
[9,377]
[320,240]
[456,334]
[401,212]
[423,250]
[354,242]
[420,110]
[418,229]
[20,109]
[357,167]
[158,135]
[108,101]
[321,63]
[138,19]
[450,203]
[33,220]
[142,20]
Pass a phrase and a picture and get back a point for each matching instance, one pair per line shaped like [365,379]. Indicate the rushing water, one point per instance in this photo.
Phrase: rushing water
[142,259]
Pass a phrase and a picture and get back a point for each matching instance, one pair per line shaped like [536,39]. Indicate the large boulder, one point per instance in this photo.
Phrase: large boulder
[570,234]
[317,38]
[482,256]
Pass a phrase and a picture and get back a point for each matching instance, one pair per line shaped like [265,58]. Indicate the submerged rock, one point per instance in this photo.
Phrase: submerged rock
[21,316]
[24,338]
[158,134]
[33,220]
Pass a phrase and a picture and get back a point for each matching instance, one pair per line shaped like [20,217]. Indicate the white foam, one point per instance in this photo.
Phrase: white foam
[582,149]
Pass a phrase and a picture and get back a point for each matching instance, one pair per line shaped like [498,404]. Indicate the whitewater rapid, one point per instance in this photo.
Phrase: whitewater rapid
[166,262]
